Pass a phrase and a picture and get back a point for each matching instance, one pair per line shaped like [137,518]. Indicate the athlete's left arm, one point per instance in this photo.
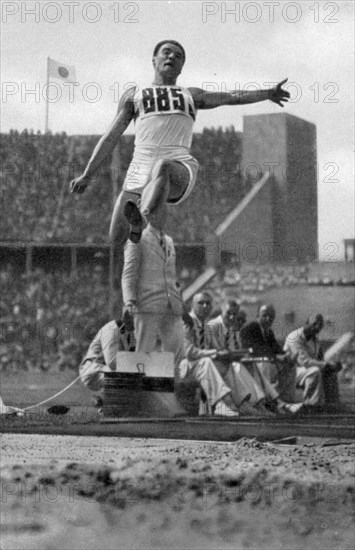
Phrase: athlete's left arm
[209,100]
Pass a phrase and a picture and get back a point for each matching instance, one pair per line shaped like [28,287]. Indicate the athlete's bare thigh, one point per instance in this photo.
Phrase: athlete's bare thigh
[179,178]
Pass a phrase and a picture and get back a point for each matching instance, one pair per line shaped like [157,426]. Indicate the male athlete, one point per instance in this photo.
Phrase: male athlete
[162,168]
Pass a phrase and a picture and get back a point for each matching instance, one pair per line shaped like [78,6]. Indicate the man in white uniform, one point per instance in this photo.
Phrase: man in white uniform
[151,292]
[162,168]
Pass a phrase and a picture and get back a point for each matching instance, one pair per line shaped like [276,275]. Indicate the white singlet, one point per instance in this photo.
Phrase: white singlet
[164,118]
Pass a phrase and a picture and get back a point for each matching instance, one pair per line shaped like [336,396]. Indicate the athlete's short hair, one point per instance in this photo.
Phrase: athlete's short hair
[160,44]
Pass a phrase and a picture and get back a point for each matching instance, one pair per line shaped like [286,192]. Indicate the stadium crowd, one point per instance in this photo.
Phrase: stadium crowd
[34,172]
[35,169]
[47,319]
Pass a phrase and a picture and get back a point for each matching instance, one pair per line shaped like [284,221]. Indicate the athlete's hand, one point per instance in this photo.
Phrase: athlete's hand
[278,95]
[78,185]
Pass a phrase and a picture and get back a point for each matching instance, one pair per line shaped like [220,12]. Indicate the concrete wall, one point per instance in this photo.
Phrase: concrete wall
[250,236]
[286,146]
[301,185]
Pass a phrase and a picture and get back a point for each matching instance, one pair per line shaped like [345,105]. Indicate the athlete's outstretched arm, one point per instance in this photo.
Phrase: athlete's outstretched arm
[108,141]
[209,100]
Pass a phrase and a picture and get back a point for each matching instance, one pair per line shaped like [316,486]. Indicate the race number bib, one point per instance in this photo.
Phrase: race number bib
[166,100]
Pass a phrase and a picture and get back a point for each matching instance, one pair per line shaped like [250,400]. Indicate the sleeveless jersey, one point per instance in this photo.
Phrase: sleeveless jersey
[164,118]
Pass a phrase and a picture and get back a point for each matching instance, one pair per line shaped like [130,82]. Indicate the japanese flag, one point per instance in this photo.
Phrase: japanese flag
[61,71]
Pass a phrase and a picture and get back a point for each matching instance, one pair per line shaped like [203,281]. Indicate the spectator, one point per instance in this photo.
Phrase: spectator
[44,319]
[113,337]
[317,378]
[259,336]
[199,366]
[200,343]
[223,335]
[223,331]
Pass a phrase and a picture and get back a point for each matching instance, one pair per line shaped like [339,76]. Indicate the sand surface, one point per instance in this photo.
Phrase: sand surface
[63,492]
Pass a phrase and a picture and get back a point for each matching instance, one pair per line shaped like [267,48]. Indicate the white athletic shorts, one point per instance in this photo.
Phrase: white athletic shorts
[139,170]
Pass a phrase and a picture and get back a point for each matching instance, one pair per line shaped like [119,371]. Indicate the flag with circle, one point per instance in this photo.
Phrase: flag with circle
[61,71]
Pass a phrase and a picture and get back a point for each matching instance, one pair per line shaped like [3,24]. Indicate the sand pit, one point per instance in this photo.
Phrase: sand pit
[62,492]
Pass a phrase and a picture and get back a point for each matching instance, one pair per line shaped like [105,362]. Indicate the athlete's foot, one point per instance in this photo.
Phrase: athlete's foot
[136,220]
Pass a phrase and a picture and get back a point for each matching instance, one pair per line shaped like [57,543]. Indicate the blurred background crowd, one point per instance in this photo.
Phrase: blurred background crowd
[36,169]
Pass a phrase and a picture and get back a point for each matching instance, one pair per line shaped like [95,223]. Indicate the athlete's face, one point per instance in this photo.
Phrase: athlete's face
[169,60]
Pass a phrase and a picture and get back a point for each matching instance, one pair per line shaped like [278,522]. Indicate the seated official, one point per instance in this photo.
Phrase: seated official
[223,331]
[225,374]
[223,335]
[113,337]
[317,378]
[259,336]
[198,365]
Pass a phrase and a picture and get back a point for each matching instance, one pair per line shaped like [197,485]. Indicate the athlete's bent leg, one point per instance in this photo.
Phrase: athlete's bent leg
[168,181]
[119,228]
[119,231]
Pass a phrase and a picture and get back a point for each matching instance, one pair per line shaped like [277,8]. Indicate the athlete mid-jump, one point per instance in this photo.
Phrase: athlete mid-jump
[162,168]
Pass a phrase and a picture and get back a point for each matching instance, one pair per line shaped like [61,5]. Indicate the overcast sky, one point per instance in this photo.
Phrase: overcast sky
[229,44]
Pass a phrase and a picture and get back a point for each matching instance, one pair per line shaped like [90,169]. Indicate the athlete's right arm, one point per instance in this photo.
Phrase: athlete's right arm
[107,143]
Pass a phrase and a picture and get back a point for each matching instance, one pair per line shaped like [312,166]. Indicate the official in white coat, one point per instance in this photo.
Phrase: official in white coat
[151,292]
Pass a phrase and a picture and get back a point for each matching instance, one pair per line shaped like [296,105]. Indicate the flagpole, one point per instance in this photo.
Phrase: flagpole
[47,102]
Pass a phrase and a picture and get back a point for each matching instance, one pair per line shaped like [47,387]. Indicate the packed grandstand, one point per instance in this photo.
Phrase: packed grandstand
[36,169]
